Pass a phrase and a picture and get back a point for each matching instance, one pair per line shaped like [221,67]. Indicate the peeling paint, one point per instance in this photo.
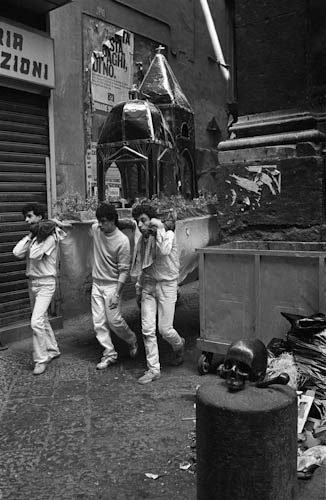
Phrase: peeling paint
[247,190]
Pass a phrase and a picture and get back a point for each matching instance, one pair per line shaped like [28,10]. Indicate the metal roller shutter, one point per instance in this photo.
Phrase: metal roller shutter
[24,146]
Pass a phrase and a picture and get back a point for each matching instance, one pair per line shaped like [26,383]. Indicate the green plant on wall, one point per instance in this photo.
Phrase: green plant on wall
[182,208]
[72,205]
[75,207]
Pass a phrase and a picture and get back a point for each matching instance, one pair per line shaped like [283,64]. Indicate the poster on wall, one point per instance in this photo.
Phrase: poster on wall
[113,59]
[91,170]
[112,70]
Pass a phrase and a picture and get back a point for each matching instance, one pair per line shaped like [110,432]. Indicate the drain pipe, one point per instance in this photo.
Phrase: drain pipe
[215,41]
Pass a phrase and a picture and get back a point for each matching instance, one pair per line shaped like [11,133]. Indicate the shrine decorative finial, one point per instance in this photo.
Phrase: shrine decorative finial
[159,49]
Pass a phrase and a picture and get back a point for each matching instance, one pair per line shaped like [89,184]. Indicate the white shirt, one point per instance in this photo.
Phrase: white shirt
[41,258]
[111,255]
[166,263]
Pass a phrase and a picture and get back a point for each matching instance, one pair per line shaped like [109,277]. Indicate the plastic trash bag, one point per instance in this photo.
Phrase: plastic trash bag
[312,456]
[306,339]
[306,325]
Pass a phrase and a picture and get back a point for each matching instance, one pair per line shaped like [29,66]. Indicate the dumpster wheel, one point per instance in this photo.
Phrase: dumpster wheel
[204,363]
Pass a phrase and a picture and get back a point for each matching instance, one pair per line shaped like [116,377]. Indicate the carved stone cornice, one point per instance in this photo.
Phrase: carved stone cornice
[282,134]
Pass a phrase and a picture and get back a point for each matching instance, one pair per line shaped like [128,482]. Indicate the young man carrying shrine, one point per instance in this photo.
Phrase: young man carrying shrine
[156,267]
[110,272]
[40,247]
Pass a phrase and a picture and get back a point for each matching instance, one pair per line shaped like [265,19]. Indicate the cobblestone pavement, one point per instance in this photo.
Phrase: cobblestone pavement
[76,433]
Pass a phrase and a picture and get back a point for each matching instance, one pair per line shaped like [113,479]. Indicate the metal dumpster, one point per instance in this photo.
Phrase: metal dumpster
[244,286]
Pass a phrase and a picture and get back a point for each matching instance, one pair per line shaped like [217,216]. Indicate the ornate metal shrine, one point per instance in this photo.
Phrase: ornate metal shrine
[161,87]
[150,140]
[136,139]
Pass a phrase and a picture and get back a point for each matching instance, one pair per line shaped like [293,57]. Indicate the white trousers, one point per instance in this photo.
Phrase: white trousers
[41,291]
[158,299]
[105,319]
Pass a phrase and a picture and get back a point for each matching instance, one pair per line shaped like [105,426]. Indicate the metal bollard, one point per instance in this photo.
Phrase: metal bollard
[246,443]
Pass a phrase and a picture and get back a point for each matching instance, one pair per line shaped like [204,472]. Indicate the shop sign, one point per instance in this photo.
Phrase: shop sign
[26,55]
[112,70]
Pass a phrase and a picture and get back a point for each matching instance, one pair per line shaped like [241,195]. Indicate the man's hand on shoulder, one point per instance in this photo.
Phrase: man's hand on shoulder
[61,223]
[155,224]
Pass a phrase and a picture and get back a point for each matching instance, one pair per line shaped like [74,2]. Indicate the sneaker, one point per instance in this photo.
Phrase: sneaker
[105,362]
[133,349]
[39,368]
[149,377]
[179,354]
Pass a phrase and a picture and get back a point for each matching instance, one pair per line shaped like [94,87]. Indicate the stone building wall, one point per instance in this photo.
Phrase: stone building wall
[280,49]
[271,172]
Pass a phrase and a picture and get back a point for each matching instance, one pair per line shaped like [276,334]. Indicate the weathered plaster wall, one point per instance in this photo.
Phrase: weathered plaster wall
[178,25]
[65,28]
[291,211]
